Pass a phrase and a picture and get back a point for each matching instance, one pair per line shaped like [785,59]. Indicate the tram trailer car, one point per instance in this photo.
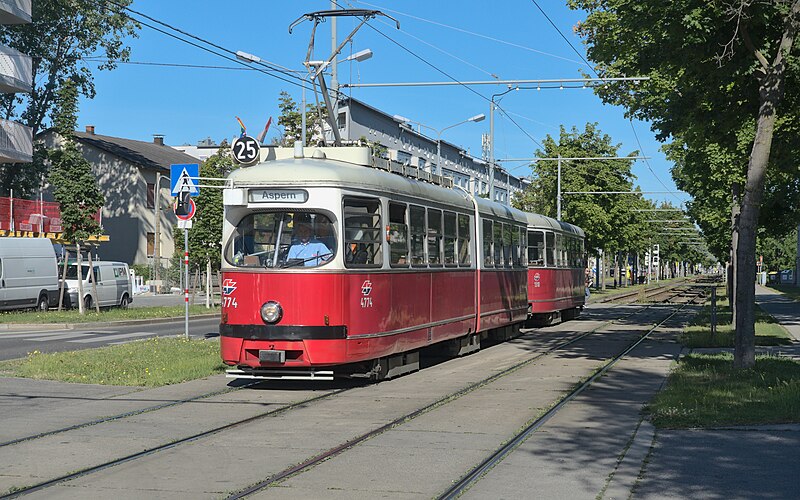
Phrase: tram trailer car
[335,265]
[556,270]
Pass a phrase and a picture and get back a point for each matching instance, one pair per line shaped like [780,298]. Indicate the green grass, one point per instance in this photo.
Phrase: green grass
[791,291]
[148,363]
[115,314]
[706,391]
[698,333]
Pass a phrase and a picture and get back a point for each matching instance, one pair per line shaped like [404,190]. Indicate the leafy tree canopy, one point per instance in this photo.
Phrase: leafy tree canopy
[291,119]
[73,182]
[60,37]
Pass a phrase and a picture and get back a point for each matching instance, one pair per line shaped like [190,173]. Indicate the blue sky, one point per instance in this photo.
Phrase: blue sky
[466,39]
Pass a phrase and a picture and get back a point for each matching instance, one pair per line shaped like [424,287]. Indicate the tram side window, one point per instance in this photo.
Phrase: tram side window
[550,249]
[463,240]
[508,244]
[398,235]
[498,245]
[535,248]
[450,238]
[559,250]
[362,232]
[488,255]
[417,221]
[515,250]
[434,237]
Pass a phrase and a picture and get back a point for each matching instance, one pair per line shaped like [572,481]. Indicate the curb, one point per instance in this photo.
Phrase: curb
[72,326]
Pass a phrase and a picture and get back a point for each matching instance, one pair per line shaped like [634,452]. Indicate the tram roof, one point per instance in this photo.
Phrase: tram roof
[352,168]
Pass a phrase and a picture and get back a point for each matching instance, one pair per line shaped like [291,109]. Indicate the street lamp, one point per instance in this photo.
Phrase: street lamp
[492,105]
[476,118]
[360,56]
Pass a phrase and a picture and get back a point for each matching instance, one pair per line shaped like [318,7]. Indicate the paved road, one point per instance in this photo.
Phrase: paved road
[18,343]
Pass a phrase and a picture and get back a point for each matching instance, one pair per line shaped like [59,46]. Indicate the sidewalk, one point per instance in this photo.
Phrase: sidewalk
[739,462]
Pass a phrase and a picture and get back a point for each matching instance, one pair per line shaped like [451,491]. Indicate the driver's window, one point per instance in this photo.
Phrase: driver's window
[281,240]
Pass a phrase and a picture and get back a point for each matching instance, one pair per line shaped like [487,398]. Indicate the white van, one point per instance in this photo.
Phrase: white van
[113,284]
[27,273]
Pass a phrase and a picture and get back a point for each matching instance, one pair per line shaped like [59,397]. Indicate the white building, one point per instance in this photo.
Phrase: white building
[16,75]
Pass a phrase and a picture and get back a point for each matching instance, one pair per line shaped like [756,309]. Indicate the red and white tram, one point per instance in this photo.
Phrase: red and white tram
[335,265]
[556,267]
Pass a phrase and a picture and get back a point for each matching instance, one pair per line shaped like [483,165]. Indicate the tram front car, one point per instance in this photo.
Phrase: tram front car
[284,268]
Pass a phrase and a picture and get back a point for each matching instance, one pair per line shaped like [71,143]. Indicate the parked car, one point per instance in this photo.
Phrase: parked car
[112,280]
[28,274]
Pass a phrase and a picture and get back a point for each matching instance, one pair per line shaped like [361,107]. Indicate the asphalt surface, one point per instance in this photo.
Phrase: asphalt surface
[17,342]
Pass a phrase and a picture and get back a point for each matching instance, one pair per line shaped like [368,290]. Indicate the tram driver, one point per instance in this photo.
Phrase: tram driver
[307,249]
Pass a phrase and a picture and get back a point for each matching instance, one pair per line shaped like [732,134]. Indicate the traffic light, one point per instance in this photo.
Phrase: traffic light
[655,254]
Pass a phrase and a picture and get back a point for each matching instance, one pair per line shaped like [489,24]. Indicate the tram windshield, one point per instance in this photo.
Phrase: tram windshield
[282,240]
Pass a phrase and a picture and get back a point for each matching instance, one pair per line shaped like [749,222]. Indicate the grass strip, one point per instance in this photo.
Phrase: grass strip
[114,314]
[704,390]
[791,291]
[147,363]
[698,333]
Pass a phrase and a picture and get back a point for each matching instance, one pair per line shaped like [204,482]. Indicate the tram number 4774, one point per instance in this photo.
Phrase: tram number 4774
[366,302]
[229,302]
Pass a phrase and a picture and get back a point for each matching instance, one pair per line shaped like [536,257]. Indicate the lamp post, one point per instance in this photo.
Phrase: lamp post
[476,118]
[492,105]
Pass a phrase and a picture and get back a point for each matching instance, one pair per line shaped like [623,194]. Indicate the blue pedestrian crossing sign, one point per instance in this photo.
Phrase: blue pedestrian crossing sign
[183,178]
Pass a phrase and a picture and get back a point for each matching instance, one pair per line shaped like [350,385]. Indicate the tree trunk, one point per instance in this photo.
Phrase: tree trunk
[62,285]
[93,278]
[81,310]
[736,209]
[744,345]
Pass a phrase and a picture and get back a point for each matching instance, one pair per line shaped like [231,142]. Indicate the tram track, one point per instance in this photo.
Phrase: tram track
[475,474]
[88,470]
[313,461]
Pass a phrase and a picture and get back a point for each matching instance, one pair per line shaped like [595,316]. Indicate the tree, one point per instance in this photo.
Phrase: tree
[59,38]
[719,72]
[291,120]
[73,183]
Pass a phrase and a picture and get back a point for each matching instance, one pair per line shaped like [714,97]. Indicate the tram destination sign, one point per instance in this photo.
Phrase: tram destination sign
[278,196]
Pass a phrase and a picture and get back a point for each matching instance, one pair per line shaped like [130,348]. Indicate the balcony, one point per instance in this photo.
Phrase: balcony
[16,71]
[16,142]
[15,11]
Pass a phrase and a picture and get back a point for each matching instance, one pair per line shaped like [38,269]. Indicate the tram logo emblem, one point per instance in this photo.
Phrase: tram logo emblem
[366,287]
[228,286]
[536,277]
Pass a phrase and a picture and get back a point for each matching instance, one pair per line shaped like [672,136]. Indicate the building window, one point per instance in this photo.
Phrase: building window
[403,157]
[342,120]
[151,244]
[422,163]
[151,195]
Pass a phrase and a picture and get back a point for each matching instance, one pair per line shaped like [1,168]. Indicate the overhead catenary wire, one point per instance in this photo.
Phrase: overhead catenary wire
[297,81]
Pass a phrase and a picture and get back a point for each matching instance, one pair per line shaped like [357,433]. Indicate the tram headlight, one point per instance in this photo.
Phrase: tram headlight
[271,312]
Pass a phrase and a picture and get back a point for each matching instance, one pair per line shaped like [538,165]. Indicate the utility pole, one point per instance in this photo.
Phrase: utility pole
[157,232]
[558,196]
[334,67]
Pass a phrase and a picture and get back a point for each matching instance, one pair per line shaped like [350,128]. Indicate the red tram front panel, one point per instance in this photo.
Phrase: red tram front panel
[553,289]
[338,318]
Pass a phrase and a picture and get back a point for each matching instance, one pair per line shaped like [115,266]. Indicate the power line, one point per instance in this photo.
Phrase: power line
[170,65]
[473,33]
[565,38]
[189,42]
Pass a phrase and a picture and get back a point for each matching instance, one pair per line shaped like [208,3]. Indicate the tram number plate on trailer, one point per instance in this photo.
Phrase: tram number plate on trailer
[272,356]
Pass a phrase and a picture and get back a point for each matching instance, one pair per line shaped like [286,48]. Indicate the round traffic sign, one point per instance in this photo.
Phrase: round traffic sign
[187,211]
[245,150]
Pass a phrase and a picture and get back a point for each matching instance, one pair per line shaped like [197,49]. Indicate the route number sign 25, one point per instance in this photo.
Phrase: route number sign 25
[245,150]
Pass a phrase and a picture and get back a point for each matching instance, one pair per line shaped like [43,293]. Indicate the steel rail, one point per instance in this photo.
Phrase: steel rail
[475,474]
[127,414]
[21,491]
[149,451]
[337,450]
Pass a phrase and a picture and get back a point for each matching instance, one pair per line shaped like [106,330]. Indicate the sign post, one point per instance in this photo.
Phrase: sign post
[184,185]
